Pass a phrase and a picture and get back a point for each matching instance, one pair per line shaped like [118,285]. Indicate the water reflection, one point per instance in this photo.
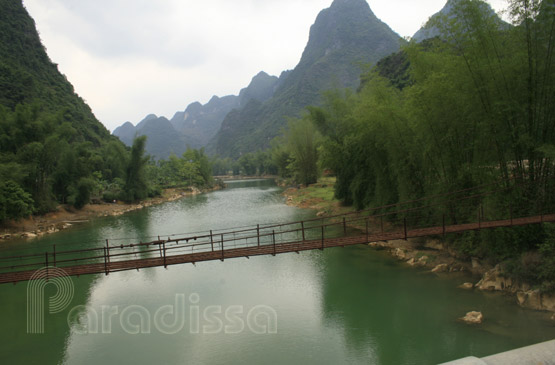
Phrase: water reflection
[405,316]
[16,345]
[350,305]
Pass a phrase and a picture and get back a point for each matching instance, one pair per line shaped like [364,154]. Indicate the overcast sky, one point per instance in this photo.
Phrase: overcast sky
[130,58]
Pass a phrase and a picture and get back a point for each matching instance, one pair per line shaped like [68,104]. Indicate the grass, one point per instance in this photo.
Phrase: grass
[319,196]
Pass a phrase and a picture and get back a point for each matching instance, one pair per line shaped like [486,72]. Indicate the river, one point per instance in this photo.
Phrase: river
[350,305]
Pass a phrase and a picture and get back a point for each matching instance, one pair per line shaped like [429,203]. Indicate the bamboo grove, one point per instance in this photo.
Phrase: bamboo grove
[471,107]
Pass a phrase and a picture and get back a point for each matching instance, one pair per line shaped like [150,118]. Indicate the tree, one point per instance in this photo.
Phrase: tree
[136,186]
[14,202]
[302,143]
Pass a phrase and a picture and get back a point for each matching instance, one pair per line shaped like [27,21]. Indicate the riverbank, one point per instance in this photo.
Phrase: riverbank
[237,177]
[67,216]
[434,255]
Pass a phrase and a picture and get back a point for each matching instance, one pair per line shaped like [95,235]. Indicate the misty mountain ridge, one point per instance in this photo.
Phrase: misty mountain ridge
[345,37]
[195,126]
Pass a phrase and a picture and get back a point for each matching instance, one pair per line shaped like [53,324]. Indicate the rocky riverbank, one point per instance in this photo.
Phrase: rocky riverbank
[427,253]
[66,216]
[440,260]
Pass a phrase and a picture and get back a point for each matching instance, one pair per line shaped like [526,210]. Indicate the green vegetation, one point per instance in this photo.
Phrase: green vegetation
[193,168]
[250,164]
[295,153]
[467,109]
[52,148]
[319,196]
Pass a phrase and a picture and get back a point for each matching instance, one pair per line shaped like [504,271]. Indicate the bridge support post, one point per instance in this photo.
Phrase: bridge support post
[212,240]
[222,237]
[164,249]
[274,241]
[322,248]
[302,228]
[107,256]
[105,262]
[258,234]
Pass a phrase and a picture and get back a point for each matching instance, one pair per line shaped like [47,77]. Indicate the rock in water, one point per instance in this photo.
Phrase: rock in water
[441,268]
[473,318]
[467,286]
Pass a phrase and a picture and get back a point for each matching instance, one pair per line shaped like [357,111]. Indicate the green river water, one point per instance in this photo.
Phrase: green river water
[349,305]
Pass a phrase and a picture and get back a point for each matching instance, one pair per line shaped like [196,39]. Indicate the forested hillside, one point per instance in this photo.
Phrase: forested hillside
[52,148]
[473,107]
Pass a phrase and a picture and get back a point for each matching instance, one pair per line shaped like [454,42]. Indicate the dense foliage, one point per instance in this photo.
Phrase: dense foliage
[250,164]
[52,148]
[193,168]
[472,107]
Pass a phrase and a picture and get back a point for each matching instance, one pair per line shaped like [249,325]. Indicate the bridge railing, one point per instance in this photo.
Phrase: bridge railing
[396,218]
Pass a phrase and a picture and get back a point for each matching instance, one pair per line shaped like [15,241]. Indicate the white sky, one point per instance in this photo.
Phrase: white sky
[130,58]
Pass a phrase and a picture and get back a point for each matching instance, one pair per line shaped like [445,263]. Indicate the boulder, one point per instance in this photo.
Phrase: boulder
[441,268]
[548,302]
[423,260]
[411,262]
[378,245]
[494,280]
[521,298]
[473,318]
[400,254]
[531,299]
[467,286]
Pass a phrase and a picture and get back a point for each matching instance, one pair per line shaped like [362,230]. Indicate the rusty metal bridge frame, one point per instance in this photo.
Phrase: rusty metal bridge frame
[355,228]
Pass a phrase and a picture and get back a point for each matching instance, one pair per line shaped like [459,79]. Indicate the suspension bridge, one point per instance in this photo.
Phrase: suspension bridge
[392,222]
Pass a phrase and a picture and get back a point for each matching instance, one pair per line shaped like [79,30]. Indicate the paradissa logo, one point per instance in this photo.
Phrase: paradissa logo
[135,319]
[175,318]
[35,296]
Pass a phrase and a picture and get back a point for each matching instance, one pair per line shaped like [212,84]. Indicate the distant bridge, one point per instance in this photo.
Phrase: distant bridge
[355,228]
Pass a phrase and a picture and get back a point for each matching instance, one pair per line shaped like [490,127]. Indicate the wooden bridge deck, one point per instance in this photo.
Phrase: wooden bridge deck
[209,251]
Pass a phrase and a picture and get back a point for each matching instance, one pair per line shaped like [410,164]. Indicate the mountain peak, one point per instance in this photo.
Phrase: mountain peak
[350,3]
[346,24]
[261,74]
[344,36]
[146,119]
[449,10]
[261,88]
